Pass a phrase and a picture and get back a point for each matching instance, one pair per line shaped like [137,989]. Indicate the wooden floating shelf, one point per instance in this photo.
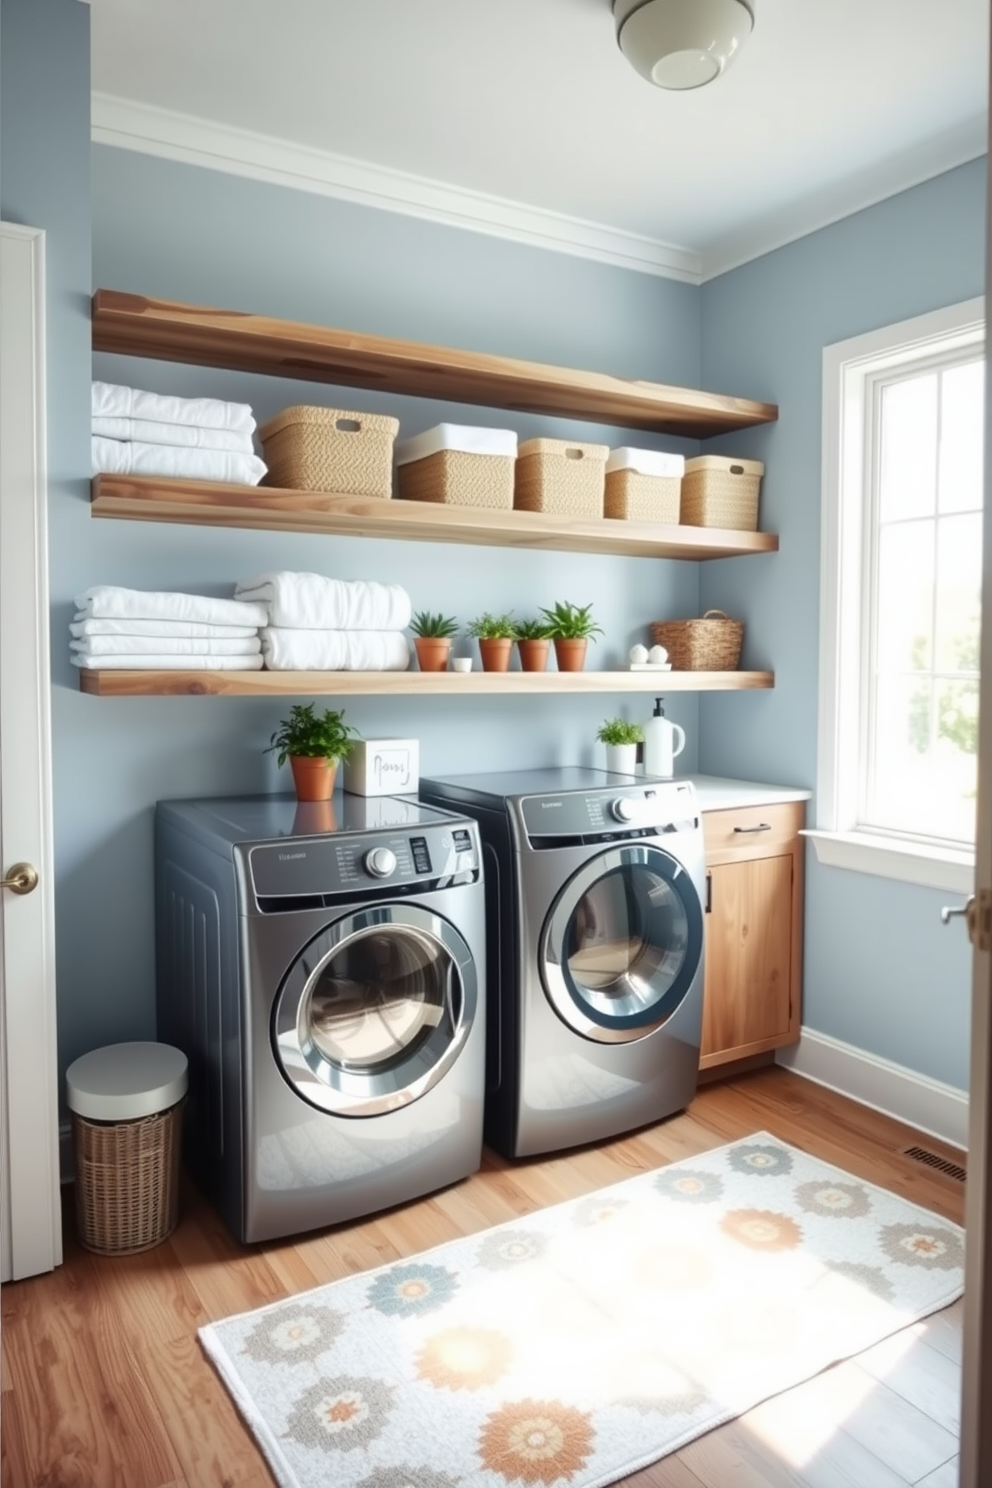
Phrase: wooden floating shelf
[208,503]
[174,332]
[120,683]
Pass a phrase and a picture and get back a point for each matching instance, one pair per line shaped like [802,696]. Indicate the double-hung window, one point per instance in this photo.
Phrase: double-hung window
[901,575]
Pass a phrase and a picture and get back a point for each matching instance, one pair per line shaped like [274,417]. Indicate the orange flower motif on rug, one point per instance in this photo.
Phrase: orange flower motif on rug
[761,1229]
[536,1441]
[464,1358]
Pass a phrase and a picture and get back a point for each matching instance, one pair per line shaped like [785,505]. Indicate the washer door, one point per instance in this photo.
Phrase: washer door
[375,1010]
[622,944]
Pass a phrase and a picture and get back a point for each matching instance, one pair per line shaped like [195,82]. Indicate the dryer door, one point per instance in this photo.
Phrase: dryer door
[622,944]
[375,1010]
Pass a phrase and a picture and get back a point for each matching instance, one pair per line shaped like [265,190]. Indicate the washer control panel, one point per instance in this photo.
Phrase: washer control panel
[344,863]
[610,814]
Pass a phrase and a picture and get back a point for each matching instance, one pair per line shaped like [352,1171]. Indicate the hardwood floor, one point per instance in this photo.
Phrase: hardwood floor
[104,1384]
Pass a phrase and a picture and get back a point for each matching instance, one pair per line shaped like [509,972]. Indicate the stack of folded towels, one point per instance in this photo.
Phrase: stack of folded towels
[138,433]
[135,628]
[330,625]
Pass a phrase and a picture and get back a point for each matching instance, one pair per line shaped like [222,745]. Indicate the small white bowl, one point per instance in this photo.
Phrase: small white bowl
[461,663]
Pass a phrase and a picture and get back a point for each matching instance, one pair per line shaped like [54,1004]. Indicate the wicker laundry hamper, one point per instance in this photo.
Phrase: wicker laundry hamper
[561,477]
[711,644]
[718,491]
[330,449]
[458,465]
[126,1102]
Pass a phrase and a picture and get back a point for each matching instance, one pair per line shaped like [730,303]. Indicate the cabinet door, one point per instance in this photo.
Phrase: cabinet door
[748,974]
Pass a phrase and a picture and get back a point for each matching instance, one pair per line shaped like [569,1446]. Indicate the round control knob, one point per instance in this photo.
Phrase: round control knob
[624,809]
[380,862]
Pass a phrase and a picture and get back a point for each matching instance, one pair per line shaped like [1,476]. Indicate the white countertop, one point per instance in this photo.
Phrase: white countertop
[717,794]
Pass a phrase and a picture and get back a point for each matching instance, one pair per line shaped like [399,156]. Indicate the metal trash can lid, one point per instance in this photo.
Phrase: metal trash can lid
[123,1082]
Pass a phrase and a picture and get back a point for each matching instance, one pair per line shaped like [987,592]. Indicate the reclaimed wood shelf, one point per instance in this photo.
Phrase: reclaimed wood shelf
[208,503]
[120,683]
[170,331]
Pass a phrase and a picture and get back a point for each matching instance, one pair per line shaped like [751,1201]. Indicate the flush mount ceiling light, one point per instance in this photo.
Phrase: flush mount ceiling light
[682,43]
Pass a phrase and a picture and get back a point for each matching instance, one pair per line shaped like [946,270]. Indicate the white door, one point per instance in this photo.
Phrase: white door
[30,1222]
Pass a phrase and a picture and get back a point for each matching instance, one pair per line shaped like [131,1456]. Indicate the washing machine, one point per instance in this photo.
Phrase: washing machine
[595,887]
[322,968]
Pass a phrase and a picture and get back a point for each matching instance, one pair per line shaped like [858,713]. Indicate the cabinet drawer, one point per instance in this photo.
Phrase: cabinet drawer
[752,831]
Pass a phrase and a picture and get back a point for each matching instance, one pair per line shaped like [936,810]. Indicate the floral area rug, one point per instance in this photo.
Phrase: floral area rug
[588,1340]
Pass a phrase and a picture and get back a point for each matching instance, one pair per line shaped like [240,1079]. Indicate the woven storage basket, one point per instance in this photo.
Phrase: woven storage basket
[127,1180]
[633,497]
[330,449]
[558,476]
[712,644]
[458,465]
[718,491]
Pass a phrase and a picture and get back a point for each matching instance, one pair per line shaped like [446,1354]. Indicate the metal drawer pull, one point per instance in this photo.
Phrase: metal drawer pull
[761,827]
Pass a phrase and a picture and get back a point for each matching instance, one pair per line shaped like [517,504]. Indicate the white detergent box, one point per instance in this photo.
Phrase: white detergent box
[383,767]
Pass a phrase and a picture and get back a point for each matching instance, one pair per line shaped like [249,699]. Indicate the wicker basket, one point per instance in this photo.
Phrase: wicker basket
[712,644]
[718,491]
[127,1180]
[557,476]
[330,449]
[458,465]
[633,497]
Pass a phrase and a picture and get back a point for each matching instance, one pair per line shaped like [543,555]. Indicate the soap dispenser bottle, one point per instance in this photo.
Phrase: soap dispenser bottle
[660,746]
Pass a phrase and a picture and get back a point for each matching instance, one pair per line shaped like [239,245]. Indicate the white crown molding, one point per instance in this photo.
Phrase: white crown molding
[149,130]
[797,220]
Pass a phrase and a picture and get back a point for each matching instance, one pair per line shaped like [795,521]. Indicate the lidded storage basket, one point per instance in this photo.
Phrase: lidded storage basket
[126,1102]
[643,485]
[718,491]
[712,644]
[330,449]
[458,465]
[561,477]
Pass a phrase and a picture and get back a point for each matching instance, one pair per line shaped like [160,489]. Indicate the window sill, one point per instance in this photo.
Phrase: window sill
[910,862]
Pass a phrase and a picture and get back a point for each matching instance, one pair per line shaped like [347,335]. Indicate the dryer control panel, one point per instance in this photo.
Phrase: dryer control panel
[609,815]
[334,868]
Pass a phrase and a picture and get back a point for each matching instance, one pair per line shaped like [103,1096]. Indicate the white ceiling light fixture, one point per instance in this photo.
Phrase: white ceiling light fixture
[682,44]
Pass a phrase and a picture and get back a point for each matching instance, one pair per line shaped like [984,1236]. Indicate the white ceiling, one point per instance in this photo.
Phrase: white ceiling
[446,105]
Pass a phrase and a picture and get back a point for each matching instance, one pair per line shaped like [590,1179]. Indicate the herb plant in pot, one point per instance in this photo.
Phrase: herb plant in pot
[570,627]
[533,644]
[621,739]
[313,743]
[432,639]
[495,634]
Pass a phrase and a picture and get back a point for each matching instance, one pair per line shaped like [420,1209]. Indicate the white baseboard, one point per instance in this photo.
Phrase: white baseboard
[931,1106]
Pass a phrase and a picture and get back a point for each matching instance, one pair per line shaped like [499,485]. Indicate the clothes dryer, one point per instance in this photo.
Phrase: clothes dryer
[321,966]
[594,895]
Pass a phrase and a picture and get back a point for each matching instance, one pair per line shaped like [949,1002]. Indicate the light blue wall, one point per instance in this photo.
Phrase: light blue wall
[881,972]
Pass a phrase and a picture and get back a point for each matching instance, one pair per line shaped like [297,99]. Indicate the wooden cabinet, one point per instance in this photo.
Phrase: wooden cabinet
[753,975]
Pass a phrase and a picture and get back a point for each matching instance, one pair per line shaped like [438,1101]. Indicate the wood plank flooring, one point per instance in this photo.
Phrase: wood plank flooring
[103,1383]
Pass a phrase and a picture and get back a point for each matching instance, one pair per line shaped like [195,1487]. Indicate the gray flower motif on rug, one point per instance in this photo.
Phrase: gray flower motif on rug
[689,1187]
[404,1477]
[289,1338]
[761,1159]
[596,1210]
[338,1415]
[871,1278]
[836,1200]
[408,1291]
[508,1248]
[923,1245]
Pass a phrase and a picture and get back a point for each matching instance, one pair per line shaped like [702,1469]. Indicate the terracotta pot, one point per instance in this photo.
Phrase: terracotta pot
[534,655]
[495,654]
[432,653]
[313,777]
[571,655]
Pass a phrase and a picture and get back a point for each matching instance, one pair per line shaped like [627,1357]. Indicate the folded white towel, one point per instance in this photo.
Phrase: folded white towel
[168,663]
[335,650]
[188,436]
[108,602]
[120,457]
[173,629]
[307,601]
[111,400]
[130,645]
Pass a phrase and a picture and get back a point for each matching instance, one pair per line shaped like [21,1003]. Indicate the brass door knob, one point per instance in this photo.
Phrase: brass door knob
[20,879]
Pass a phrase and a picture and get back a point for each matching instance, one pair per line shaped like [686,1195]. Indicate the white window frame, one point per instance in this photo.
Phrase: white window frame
[848,368]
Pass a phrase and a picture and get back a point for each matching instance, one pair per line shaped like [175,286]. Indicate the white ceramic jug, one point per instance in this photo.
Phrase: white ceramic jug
[662,742]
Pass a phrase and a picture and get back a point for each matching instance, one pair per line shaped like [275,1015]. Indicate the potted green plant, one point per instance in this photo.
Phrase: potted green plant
[495,635]
[313,743]
[432,639]
[621,739]
[570,627]
[533,644]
